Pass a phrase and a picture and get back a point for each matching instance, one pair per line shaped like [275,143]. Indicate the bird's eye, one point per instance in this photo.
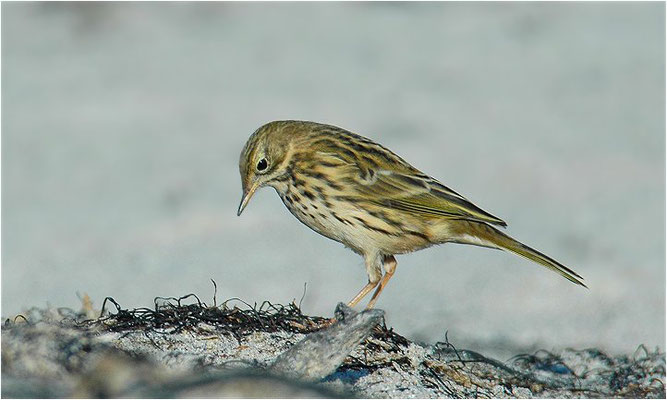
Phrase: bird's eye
[262,164]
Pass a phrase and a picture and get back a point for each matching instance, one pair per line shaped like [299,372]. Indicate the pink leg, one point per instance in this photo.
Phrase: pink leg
[374,272]
[389,268]
[362,293]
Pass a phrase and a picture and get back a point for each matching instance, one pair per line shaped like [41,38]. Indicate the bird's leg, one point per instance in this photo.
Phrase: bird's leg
[362,293]
[374,271]
[389,268]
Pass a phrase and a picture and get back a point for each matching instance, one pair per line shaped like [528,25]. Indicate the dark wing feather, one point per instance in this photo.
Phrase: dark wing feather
[420,194]
[379,175]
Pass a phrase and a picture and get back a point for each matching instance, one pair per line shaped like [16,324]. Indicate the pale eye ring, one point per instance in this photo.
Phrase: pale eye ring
[262,164]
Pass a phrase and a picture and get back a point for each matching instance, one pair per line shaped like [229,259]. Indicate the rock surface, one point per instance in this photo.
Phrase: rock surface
[193,350]
[321,353]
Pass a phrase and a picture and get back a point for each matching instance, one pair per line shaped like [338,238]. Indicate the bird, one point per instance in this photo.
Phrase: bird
[355,191]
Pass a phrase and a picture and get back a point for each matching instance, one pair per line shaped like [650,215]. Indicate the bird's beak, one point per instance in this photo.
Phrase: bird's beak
[247,194]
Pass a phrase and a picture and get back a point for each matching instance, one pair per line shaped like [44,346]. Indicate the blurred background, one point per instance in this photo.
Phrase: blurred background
[122,125]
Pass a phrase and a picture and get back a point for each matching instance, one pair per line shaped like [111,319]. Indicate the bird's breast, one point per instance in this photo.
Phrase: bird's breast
[362,230]
[318,217]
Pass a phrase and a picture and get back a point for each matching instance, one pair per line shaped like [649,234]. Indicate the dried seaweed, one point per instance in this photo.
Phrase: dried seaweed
[174,314]
[443,369]
[234,316]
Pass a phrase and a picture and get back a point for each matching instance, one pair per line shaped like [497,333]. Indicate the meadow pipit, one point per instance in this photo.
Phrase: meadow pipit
[359,193]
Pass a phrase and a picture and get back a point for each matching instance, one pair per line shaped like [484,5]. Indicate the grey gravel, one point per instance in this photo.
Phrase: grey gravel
[51,353]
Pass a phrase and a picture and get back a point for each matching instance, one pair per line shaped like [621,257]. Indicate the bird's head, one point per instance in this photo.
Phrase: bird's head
[265,157]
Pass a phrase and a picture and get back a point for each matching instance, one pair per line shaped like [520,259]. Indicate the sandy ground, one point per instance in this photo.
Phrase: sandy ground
[122,125]
[182,349]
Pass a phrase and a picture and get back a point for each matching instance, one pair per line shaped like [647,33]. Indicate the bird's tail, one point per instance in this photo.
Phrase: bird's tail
[481,234]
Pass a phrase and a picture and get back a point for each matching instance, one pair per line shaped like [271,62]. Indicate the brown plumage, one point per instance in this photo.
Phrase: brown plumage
[359,193]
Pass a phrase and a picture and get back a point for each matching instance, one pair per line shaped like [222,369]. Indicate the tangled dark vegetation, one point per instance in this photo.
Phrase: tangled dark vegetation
[393,366]
[171,315]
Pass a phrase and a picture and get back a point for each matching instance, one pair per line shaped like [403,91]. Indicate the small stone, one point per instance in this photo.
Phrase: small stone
[321,353]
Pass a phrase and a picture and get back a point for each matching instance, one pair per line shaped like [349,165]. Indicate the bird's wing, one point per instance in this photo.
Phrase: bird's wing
[391,182]
[417,193]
